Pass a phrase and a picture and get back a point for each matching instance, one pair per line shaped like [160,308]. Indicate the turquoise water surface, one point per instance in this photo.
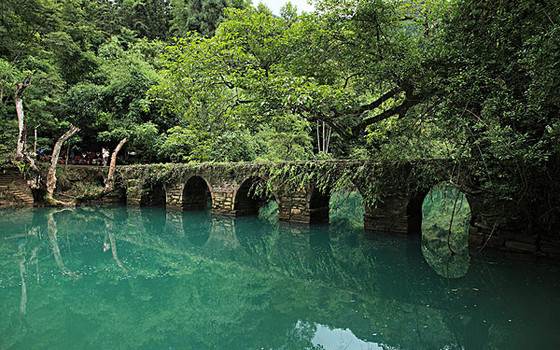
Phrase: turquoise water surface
[147,278]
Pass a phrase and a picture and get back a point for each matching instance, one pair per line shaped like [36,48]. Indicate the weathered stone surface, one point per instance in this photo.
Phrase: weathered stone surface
[487,241]
[551,249]
[397,208]
[476,239]
[526,247]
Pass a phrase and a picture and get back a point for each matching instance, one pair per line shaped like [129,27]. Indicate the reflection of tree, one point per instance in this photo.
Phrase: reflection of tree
[111,223]
[23,264]
[23,276]
[445,227]
[34,259]
[52,231]
[114,249]
[248,297]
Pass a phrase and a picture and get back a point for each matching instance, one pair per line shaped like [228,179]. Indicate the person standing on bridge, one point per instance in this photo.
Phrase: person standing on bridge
[104,155]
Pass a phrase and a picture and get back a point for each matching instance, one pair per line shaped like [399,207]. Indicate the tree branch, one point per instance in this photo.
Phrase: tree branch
[399,110]
[379,101]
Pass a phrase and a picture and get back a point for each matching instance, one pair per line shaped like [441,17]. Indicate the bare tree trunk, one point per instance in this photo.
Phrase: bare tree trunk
[318,138]
[51,175]
[35,141]
[328,139]
[67,155]
[324,136]
[110,177]
[20,88]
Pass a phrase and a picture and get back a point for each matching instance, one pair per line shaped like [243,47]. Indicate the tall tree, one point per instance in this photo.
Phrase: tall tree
[51,174]
[351,67]
[148,18]
[201,16]
[498,64]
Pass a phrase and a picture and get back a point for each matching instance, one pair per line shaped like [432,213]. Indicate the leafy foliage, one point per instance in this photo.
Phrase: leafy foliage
[392,81]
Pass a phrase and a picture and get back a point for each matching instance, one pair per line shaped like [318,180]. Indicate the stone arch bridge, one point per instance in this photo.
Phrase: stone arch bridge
[301,190]
[392,194]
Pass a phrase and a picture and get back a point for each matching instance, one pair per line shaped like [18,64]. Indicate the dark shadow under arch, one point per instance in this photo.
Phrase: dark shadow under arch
[414,212]
[196,194]
[250,197]
[319,206]
[153,196]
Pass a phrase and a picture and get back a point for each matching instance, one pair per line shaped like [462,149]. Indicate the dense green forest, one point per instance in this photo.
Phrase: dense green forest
[223,80]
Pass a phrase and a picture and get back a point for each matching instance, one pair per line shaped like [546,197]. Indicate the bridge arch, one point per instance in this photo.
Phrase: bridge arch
[347,206]
[250,196]
[319,205]
[445,204]
[153,195]
[196,194]
[414,213]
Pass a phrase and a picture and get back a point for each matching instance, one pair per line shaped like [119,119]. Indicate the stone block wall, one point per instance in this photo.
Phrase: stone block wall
[301,204]
[511,238]
[388,216]
[223,197]
[293,204]
[174,196]
[490,230]
[133,192]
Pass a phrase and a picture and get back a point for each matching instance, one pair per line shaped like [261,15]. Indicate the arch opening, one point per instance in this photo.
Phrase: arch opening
[414,213]
[154,196]
[445,224]
[319,206]
[347,208]
[196,195]
[251,196]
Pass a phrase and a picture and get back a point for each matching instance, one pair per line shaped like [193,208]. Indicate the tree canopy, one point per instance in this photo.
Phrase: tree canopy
[221,80]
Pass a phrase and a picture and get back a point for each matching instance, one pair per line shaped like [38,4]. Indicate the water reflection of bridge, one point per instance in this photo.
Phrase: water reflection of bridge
[389,282]
[393,195]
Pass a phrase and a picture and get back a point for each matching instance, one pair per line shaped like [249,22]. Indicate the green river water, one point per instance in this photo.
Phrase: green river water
[147,278]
